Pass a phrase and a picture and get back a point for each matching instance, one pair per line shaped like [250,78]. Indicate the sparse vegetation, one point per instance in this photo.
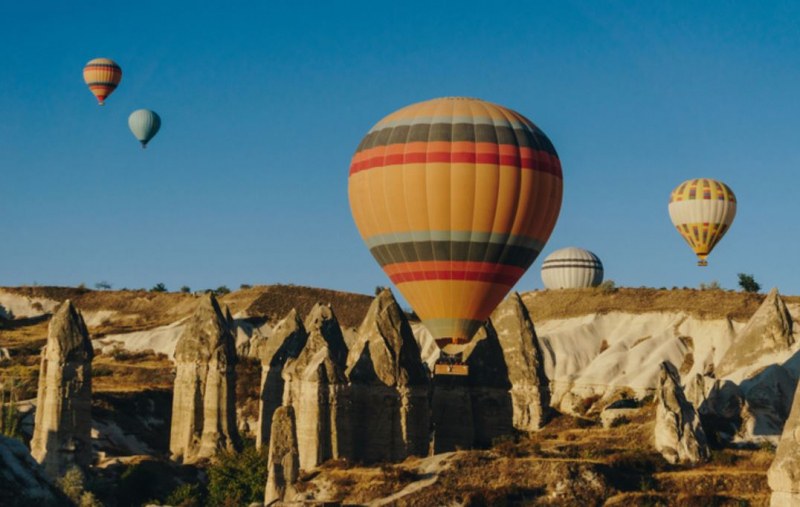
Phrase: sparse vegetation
[748,283]
[245,286]
[9,415]
[221,290]
[72,485]
[186,289]
[237,478]
[103,285]
[712,285]
[607,287]
[159,287]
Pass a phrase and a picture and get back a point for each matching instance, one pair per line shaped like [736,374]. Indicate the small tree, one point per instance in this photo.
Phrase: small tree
[245,286]
[186,289]
[222,290]
[159,287]
[103,285]
[748,283]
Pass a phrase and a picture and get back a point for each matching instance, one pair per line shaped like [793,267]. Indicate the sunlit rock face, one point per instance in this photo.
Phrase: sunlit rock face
[316,388]
[522,353]
[679,437]
[768,331]
[287,340]
[204,400]
[62,430]
[389,386]
[283,466]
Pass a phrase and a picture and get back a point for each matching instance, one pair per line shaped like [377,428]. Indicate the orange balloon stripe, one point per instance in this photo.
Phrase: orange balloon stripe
[459,152]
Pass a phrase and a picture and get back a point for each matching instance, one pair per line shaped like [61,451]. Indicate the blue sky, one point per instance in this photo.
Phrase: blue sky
[264,104]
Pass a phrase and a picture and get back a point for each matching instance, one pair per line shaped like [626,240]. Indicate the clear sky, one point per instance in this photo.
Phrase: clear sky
[264,103]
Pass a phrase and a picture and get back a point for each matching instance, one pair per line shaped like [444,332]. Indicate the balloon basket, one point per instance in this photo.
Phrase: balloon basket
[702,262]
[457,369]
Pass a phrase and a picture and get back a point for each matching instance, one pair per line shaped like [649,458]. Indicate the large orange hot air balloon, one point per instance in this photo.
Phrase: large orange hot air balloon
[455,198]
[102,75]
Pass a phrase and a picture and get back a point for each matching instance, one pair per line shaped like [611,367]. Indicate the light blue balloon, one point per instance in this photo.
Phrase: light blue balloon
[144,124]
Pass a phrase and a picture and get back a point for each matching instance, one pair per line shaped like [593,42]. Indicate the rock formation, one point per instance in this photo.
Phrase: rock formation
[22,480]
[287,340]
[204,399]
[768,399]
[283,468]
[489,387]
[784,473]
[62,432]
[316,388]
[679,437]
[768,330]
[530,390]
[389,386]
[451,414]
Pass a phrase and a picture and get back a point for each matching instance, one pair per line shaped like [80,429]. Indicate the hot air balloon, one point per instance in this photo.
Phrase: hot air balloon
[572,268]
[102,75]
[144,124]
[455,198]
[702,210]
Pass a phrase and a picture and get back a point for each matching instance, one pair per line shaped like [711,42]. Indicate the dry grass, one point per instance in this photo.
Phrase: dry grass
[275,301]
[560,304]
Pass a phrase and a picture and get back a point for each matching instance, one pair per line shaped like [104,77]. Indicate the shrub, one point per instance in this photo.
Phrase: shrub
[222,290]
[237,478]
[9,415]
[103,285]
[72,484]
[245,286]
[748,283]
[186,495]
[608,287]
[159,287]
[712,285]
[186,289]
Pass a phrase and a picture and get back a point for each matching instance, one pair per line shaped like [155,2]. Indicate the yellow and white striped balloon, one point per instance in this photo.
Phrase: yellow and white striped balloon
[702,210]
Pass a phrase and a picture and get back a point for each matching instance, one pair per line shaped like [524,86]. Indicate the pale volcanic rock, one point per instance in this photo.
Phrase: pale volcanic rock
[530,390]
[489,387]
[287,340]
[768,331]
[316,388]
[62,428]
[768,399]
[283,468]
[204,400]
[389,386]
[679,437]
[784,473]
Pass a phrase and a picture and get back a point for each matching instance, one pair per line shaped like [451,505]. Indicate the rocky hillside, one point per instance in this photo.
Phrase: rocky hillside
[734,355]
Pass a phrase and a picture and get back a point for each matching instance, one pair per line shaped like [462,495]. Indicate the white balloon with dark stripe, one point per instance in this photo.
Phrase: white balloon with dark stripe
[572,268]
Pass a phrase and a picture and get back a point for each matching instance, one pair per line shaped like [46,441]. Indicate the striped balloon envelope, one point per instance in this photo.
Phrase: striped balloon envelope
[102,75]
[572,268]
[455,198]
[702,210]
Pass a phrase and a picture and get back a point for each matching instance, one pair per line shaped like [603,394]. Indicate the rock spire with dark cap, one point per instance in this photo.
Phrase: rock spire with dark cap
[286,342]
[204,400]
[316,388]
[389,386]
[62,432]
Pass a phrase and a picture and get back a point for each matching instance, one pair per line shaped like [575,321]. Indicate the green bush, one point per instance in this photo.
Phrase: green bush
[748,283]
[159,287]
[237,478]
[187,495]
